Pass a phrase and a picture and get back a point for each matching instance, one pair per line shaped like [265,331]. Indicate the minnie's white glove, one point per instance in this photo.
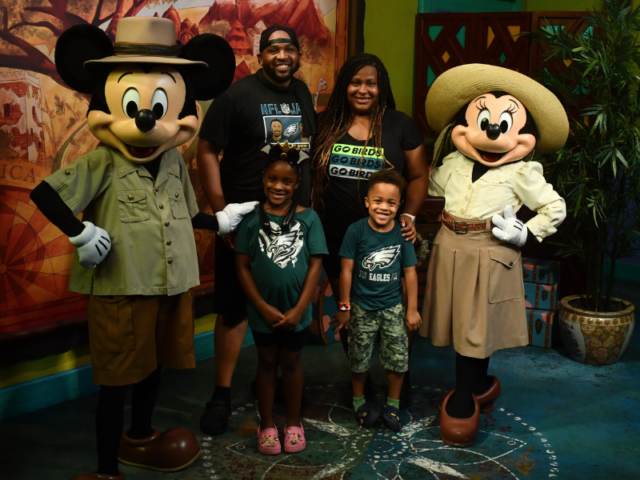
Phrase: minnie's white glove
[509,229]
[92,245]
[230,217]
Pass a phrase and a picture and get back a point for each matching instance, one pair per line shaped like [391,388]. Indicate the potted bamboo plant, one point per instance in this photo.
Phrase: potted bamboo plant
[598,172]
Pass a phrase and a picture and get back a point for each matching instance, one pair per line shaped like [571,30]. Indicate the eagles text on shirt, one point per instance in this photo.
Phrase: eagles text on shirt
[381,259]
[347,161]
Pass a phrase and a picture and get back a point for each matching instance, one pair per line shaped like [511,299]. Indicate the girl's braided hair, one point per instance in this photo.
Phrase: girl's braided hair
[335,121]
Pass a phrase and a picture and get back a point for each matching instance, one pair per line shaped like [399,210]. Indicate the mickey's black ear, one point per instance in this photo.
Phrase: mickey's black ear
[74,47]
[218,54]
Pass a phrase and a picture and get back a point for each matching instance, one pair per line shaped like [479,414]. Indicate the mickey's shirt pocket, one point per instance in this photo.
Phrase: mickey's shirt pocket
[505,275]
[133,205]
[177,199]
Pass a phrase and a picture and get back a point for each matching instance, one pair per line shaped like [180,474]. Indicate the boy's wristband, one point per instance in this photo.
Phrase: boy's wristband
[344,307]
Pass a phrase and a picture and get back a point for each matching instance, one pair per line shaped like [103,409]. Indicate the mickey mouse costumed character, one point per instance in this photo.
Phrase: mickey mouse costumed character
[136,254]
[491,119]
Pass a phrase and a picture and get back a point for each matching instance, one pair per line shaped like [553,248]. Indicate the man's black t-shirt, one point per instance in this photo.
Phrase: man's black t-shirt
[240,120]
[344,194]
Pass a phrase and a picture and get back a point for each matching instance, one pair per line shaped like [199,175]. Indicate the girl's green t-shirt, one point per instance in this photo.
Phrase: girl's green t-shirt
[279,263]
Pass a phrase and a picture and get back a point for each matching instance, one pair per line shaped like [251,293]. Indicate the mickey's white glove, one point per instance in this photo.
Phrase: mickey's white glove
[92,245]
[230,217]
[509,229]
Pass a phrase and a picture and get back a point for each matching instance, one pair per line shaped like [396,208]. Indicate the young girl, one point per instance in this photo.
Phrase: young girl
[278,261]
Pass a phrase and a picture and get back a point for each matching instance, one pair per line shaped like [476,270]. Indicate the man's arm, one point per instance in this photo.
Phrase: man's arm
[208,159]
[209,171]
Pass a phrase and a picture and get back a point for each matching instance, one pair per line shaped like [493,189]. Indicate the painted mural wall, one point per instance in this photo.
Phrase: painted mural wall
[43,123]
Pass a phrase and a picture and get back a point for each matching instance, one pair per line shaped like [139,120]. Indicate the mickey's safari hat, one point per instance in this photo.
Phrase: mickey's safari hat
[458,86]
[83,51]
[146,40]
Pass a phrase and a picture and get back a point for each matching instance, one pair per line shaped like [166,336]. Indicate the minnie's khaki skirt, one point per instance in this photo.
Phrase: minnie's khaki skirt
[475,294]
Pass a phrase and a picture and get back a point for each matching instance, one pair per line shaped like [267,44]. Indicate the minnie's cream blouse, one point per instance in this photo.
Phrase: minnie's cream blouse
[512,184]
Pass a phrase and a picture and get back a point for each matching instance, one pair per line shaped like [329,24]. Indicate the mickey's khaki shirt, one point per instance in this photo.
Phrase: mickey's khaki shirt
[512,184]
[153,248]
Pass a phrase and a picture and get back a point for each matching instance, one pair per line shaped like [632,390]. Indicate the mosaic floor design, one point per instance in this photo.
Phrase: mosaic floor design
[337,449]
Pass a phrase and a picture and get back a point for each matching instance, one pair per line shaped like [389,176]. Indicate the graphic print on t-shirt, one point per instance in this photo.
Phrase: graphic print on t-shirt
[282,248]
[282,123]
[345,161]
[382,258]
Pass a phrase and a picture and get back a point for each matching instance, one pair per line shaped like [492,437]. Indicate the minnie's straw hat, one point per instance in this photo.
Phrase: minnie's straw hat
[456,87]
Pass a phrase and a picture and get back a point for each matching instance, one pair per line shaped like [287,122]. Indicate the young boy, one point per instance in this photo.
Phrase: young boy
[373,254]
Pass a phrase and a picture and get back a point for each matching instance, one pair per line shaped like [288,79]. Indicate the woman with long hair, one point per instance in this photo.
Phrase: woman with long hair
[359,133]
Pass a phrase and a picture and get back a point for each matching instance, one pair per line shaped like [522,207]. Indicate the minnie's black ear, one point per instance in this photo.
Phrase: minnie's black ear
[218,54]
[74,47]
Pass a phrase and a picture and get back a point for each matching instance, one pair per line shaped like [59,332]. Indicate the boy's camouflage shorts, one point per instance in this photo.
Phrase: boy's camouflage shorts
[363,330]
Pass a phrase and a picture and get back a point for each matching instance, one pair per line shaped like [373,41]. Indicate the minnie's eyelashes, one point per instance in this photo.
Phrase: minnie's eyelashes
[480,105]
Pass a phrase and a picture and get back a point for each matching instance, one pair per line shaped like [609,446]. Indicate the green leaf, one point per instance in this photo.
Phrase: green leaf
[621,158]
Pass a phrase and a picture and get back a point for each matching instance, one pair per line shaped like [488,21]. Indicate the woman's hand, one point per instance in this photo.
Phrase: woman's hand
[340,321]
[408,229]
[272,315]
[290,319]
[413,320]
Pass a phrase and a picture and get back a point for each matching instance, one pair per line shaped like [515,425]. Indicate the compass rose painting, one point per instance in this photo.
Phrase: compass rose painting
[35,262]
[508,447]
[43,124]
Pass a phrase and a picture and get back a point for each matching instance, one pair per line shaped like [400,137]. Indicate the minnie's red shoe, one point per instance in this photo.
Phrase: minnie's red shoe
[459,432]
[486,399]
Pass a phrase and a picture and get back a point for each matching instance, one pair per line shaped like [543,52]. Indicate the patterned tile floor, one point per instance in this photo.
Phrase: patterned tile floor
[555,419]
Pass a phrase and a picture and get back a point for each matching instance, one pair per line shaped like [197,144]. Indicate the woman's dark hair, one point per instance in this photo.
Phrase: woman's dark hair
[335,121]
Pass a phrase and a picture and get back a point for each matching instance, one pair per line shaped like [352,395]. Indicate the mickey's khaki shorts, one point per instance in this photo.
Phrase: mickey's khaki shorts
[130,336]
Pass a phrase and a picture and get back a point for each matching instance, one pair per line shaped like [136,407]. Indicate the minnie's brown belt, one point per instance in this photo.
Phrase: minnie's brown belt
[463,227]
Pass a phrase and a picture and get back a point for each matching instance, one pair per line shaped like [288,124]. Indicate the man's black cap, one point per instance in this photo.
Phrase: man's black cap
[264,38]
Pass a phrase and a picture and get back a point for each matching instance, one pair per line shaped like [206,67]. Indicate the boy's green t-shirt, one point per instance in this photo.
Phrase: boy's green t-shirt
[378,262]
[279,263]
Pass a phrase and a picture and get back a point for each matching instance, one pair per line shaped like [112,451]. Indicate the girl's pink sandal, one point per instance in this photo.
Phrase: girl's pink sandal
[294,440]
[268,441]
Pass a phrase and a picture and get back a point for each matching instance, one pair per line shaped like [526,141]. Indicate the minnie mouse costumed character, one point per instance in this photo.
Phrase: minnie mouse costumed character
[491,119]
[136,252]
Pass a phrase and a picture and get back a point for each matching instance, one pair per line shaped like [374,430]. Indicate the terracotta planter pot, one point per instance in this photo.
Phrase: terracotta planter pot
[596,338]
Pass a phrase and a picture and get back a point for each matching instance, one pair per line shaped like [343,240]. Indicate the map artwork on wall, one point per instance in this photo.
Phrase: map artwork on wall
[43,123]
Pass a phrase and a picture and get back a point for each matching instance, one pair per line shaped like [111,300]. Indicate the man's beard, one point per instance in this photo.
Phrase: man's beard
[272,73]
